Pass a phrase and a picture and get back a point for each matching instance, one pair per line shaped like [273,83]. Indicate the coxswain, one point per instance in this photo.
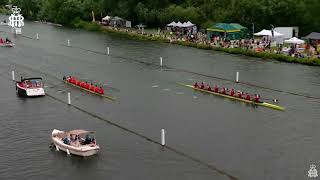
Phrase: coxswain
[8,40]
[92,87]
[196,85]
[82,84]
[87,85]
[257,98]
[96,89]
[216,89]
[232,92]
[101,90]
[248,97]
[202,86]
[63,78]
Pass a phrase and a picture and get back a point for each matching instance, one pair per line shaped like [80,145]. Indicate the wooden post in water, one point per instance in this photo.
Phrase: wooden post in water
[13,79]
[69,99]
[237,77]
[163,138]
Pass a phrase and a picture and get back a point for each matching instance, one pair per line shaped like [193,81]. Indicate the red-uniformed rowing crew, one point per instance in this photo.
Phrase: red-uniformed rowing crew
[224,91]
[84,84]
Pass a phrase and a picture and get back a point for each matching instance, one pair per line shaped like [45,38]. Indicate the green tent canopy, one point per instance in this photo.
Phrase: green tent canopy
[232,31]
[223,27]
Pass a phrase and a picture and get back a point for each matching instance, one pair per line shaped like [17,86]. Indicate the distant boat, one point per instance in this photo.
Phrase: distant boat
[30,87]
[77,142]
[7,44]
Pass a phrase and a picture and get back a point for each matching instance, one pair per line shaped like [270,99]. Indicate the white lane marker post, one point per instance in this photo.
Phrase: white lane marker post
[161,61]
[68,42]
[163,138]
[237,77]
[37,36]
[69,99]
[108,50]
[13,79]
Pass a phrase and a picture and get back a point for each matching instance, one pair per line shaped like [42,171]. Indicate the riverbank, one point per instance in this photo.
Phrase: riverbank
[91,26]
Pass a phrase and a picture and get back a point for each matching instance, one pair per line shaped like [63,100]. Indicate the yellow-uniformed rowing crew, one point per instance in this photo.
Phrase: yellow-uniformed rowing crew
[224,91]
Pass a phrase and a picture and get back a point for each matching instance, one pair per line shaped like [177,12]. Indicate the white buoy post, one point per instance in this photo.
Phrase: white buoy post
[68,42]
[69,98]
[13,79]
[160,61]
[163,138]
[108,50]
[37,36]
[237,77]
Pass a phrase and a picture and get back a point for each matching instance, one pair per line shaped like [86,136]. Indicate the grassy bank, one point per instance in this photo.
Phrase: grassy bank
[91,26]
[4,10]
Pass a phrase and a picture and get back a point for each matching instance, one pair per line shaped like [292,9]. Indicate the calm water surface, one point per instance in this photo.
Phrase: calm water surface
[246,142]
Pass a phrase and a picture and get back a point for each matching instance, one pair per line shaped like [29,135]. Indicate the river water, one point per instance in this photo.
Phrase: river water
[237,139]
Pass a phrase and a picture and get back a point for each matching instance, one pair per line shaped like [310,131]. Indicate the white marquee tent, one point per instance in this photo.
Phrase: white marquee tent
[268,33]
[294,40]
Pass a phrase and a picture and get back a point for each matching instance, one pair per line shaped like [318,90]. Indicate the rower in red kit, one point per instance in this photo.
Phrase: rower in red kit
[92,87]
[239,94]
[232,92]
[223,91]
[96,89]
[209,88]
[101,91]
[248,97]
[82,84]
[196,85]
[257,98]
[202,86]
[87,85]
[216,89]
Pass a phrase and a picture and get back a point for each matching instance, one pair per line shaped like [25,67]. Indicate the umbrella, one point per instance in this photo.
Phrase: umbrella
[294,40]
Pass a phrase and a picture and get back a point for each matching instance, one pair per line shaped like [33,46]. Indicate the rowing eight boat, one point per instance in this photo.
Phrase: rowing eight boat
[102,95]
[268,105]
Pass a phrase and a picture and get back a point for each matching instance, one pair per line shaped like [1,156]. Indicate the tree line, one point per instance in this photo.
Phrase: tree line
[157,13]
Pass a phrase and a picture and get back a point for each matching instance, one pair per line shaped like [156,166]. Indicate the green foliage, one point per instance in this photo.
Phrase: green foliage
[156,13]
[89,26]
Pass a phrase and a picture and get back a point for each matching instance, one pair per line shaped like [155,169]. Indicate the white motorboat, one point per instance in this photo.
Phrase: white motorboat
[77,142]
[30,87]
